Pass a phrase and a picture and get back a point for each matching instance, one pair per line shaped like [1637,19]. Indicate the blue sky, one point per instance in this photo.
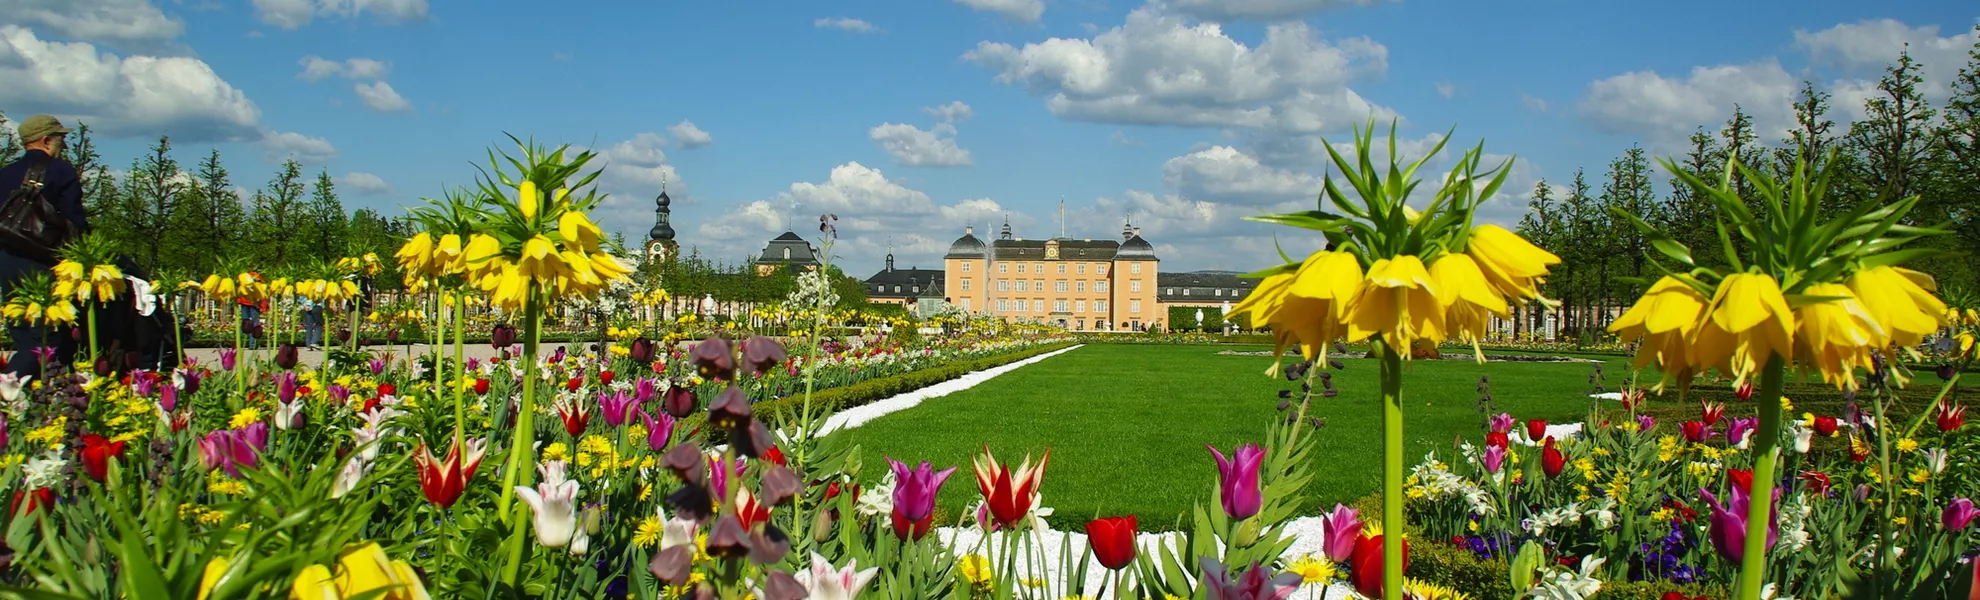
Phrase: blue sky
[912,119]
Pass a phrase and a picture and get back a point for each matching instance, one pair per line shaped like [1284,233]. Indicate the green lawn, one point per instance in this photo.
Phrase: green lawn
[1127,424]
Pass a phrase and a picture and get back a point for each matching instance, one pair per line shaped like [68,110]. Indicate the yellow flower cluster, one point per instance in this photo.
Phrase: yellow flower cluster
[1831,328]
[241,286]
[1405,299]
[34,312]
[50,434]
[99,283]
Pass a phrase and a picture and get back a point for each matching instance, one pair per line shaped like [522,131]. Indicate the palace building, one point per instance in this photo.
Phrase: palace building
[1080,284]
[787,250]
[921,290]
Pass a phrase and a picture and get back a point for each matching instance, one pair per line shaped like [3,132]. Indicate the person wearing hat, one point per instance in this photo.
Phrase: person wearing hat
[45,139]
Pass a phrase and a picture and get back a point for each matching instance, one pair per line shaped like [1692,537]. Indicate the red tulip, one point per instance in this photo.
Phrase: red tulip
[1551,460]
[574,384]
[577,416]
[96,454]
[605,377]
[776,456]
[443,480]
[1365,569]
[1494,438]
[1745,391]
[1112,540]
[1741,478]
[1951,416]
[750,511]
[1818,482]
[1536,429]
[1010,496]
[481,387]
[386,389]
[1825,426]
[36,499]
[1711,412]
[1696,431]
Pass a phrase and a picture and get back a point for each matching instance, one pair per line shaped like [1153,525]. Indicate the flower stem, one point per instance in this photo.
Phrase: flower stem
[1392,471]
[520,449]
[1753,567]
[460,327]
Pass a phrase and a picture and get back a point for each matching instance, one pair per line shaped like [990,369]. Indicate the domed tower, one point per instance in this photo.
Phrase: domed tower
[966,273]
[660,243]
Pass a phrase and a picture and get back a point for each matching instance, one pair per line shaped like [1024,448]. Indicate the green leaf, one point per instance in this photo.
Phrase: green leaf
[1316,220]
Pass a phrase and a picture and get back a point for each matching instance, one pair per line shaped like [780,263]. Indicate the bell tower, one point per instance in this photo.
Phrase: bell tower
[660,245]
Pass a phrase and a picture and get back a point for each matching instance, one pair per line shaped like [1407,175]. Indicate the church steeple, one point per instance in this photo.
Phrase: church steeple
[660,240]
[1006,233]
[890,258]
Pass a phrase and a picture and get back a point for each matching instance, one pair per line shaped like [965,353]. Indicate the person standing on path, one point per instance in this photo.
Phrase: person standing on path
[312,313]
[251,316]
[45,140]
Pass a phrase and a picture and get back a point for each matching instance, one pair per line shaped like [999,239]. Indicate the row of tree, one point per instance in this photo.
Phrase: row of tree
[1905,146]
[171,218]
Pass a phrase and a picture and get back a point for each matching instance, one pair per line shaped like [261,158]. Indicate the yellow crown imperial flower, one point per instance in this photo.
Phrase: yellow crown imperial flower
[528,199]
[1399,301]
[416,253]
[1666,316]
[1836,336]
[1513,266]
[1750,323]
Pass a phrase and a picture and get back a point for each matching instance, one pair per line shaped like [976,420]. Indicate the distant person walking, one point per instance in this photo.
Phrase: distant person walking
[43,171]
[251,316]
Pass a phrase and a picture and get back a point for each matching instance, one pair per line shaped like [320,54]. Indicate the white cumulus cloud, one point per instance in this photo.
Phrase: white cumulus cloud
[874,212]
[294,14]
[364,184]
[1028,11]
[935,147]
[280,146]
[1665,110]
[317,68]
[1262,10]
[845,23]
[690,136]
[125,24]
[380,96]
[132,95]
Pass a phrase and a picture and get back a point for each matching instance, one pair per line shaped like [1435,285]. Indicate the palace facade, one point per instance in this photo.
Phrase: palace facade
[1080,284]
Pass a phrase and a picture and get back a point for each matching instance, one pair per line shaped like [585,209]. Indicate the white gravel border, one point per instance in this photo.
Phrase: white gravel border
[860,415]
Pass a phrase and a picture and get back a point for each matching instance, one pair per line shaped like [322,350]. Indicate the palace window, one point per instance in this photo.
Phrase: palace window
[1081,285]
[1081,269]
[1079,306]
[1003,267]
[915,289]
[1021,286]
[1062,268]
[1022,305]
[1134,268]
[897,289]
[1020,267]
[1038,268]
[1038,305]
[1003,285]
[965,285]
[1038,284]
[1185,291]
[1099,306]
[1217,292]
[1134,286]
[1101,269]
[1172,292]
[1059,286]
[1134,306]
[965,305]
[965,267]
[1058,306]
[1003,305]
[787,254]
[1100,286]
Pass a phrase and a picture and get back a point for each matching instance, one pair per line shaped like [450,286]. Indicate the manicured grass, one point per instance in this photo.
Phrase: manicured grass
[1127,424]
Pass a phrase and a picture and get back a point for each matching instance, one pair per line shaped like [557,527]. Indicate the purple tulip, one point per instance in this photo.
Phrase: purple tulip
[3,431]
[1645,422]
[168,398]
[1502,423]
[1257,583]
[285,386]
[188,380]
[616,407]
[1237,479]
[45,354]
[213,451]
[227,357]
[1495,457]
[377,366]
[679,402]
[142,385]
[1729,523]
[721,472]
[1340,529]
[338,393]
[474,364]
[558,356]
[644,389]
[1741,427]
[1958,515]
[915,489]
[659,430]
[232,449]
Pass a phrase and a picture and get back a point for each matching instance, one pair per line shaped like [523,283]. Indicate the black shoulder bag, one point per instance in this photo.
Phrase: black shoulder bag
[30,225]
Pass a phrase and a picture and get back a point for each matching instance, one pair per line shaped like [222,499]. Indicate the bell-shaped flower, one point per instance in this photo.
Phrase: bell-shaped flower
[1009,495]
[554,504]
[1664,318]
[1901,301]
[1750,323]
[1513,266]
[1836,336]
[1398,300]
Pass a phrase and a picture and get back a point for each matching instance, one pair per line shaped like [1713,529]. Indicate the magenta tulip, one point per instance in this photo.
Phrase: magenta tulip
[1339,531]
[659,430]
[1729,523]
[1958,514]
[1495,458]
[914,497]
[616,406]
[1237,479]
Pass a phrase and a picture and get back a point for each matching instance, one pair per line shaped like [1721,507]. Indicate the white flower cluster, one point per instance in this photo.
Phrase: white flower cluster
[1437,482]
[813,290]
[1794,523]
[1601,511]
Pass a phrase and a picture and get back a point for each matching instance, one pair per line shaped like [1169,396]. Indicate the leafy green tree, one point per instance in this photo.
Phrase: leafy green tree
[325,220]
[149,205]
[1540,224]
[1687,214]
[278,214]
[210,221]
[1896,142]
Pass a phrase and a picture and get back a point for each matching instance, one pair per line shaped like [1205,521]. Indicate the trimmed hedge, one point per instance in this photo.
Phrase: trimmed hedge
[835,399]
